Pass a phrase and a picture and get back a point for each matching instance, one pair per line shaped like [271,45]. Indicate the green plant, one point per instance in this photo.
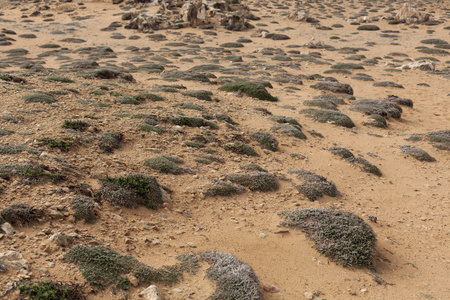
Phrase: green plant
[241,148]
[341,151]
[64,145]
[39,97]
[251,89]
[351,66]
[314,185]
[101,266]
[132,191]
[59,79]
[329,116]
[290,130]
[14,149]
[20,214]
[148,128]
[365,165]
[339,235]
[417,153]
[31,173]
[110,140]
[255,181]
[199,94]
[378,121]
[265,139]
[75,125]
[253,167]
[222,188]
[165,164]
[193,122]
[49,290]
[234,278]
[149,96]
[4,132]
[83,208]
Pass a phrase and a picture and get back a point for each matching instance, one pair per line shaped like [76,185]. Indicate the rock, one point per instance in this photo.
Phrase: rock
[308,295]
[133,280]
[151,293]
[192,245]
[61,239]
[14,260]
[8,229]
[270,288]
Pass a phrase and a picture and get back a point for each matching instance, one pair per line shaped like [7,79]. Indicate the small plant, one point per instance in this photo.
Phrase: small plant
[253,167]
[341,151]
[321,103]
[101,266]
[265,139]
[417,153]
[350,66]
[20,214]
[110,140]
[290,130]
[442,137]
[255,181]
[241,148]
[165,164]
[329,116]
[59,79]
[251,89]
[234,278]
[199,94]
[378,121]
[223,188]
[49,290]
[64,145]
[83,208]
[149,96]
[31,173]
[132,191]
[75,125]
[314,185]
[208,159]
[14,149]
[365,165]
[39,97]
[193,122]
[377,107]
[185,75]
[339,235]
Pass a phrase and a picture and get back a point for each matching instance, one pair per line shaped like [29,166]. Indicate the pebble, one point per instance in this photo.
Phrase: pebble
[262,235]
[151,293]
[192,245]
[308,295]
[8,229]
[270,288]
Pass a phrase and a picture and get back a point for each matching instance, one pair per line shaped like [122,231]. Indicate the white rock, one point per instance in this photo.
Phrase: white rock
[308,295]
[8,229]
[151,293]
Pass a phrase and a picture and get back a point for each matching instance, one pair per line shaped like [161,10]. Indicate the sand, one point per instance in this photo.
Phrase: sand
[410,200]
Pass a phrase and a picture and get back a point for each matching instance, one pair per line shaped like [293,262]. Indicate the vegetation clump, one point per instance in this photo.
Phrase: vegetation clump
[20,214]
[149,96]
[322,103]
[290,130]
[208,158]
[253,167]
[377,107]
[234,278]
[283,120]
[102,266]
[314,185]
[441,137]
[30,172]
[241,148]
[165,164]
[39,97]
[58,78]
[351,66]
[14,149]
[329,116]
[132,191]
[83,208]
[251,89]
[334,87]
[64,145]
[341,151]
[365,165]
[49,290]
[223,188]
[378,121]
[110,140]
[193,122]
[255,181]
[265,139]
[186,75]
[417,153]
[75,125]
[199,94]
[339,235]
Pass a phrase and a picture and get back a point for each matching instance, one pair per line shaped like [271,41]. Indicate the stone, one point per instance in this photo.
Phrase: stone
[308,295]
[151,293]
[270,288]
[133,280]
[14,260]
[8,229]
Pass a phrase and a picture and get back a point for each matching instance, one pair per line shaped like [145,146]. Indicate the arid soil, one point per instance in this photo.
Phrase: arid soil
[407,206]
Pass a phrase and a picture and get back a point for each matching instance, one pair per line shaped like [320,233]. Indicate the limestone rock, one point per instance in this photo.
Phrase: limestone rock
[61,239]
[14,260]
[8,229]
[151,293]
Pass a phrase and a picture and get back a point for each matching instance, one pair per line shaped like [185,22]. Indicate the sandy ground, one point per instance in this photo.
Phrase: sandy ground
[410,200]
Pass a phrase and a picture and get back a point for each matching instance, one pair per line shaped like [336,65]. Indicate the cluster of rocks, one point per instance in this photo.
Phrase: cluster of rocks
[179,14]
